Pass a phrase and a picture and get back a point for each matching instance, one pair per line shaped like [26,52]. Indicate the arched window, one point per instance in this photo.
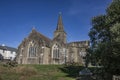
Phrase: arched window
[32,49]
[56,52]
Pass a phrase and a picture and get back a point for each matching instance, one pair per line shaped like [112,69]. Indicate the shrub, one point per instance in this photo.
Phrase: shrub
[10,64]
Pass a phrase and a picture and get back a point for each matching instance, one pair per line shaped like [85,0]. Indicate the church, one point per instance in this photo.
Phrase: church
[39,49]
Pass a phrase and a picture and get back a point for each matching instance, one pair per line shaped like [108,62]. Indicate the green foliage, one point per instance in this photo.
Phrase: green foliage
[35,72]
[105,39]
[115,30]
[10,64]
[72,71]
[73,64]
[113,12]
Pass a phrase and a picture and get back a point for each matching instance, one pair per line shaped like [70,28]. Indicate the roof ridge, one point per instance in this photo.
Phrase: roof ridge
[40,35]
[43,36]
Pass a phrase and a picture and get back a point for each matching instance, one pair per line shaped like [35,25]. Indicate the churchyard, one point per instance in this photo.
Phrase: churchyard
[38,72]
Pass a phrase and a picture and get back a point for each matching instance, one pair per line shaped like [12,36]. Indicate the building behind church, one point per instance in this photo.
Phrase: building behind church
[7,53]
[39,49]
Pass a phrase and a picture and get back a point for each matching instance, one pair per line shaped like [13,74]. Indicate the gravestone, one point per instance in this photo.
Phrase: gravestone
[85,74]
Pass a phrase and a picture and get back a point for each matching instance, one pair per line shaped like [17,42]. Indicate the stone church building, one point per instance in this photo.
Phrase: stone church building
[39,49]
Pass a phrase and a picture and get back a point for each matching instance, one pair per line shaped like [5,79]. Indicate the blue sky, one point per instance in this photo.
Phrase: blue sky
[17,18]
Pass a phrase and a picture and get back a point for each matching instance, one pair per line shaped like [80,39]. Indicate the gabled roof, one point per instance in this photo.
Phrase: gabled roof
[2,47]
[39,36]
[56,39]
[8,48]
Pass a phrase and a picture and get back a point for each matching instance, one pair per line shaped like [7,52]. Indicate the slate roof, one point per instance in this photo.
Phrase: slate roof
[8,48]
[39,35]
[2,47]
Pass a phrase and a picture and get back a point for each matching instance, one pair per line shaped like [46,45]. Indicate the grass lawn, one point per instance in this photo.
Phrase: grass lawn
[39,72]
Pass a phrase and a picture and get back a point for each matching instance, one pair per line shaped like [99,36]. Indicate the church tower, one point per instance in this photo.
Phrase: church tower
[59,33]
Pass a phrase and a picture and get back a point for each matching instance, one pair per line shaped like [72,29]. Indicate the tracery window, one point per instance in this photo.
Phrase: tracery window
[56,52]
[32,49]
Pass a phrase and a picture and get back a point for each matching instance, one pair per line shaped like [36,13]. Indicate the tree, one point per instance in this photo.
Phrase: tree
[105,39]
[115,30]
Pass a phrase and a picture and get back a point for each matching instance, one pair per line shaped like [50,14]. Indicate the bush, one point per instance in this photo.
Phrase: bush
[10,64]
[73,64]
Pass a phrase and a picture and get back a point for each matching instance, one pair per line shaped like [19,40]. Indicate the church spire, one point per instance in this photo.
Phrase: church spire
[59,33]
[60,24]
